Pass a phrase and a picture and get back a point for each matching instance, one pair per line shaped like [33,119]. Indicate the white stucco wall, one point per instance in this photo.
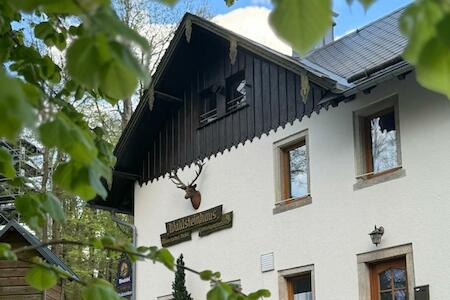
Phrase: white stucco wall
[331,231]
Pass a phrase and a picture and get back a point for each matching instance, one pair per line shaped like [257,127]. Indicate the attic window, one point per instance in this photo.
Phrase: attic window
[208,107]
[236,91]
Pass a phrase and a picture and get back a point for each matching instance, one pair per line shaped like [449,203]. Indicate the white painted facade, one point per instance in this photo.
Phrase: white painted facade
[333,229]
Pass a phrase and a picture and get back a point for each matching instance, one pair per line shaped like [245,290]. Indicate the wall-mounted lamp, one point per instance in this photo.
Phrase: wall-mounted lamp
[376,235]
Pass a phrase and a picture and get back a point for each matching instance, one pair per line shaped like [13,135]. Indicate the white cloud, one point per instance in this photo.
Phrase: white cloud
[260,2]
[253,23]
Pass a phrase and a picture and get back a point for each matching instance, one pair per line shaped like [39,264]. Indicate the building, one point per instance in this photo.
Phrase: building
[12,273]
[301,159]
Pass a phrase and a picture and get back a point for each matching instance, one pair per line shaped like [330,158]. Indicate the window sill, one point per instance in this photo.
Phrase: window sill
[374,179]
[223,116]
[293,203]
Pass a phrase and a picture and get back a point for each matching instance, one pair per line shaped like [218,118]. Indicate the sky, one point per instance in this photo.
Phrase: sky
[349,18]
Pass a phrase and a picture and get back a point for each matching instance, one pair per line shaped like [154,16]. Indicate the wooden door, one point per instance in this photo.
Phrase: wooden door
[389,280]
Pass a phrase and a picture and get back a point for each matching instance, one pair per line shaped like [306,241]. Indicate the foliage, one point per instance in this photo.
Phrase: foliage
[427,25]
[41,278]
[81,223]
[39,95]
[99,289]
[6,164]
[179,285]
[290,14]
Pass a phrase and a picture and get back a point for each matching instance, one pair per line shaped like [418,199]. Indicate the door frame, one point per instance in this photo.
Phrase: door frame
[365,260]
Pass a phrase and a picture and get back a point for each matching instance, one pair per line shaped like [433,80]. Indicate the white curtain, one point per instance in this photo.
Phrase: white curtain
[303,296]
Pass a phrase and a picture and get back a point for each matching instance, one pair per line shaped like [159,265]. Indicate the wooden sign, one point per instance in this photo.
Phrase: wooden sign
[206,222]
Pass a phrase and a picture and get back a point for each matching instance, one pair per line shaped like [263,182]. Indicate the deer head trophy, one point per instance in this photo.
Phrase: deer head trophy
[190,189]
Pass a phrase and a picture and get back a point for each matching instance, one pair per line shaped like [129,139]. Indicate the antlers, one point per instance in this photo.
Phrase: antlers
[200,165]
[177,181]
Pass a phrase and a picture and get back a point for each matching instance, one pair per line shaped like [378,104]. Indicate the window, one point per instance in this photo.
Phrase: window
[291,169]
[235,91]
[296,283]
[208,106]
[295,170]
[219,100]
[299,288]
[388,280]
[377,143]
[380,142]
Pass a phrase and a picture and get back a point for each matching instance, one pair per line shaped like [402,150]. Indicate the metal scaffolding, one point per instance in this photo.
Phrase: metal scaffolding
[27,160]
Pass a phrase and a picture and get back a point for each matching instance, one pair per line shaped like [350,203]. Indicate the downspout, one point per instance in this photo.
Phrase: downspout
[114,218]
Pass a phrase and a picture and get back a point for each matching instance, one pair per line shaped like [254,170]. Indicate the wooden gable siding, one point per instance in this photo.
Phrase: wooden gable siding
[273,100]
[13,285]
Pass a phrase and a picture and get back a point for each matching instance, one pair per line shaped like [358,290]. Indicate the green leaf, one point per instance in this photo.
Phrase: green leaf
[302,23]
[433,68]
[84,56]
[229,2]
[99,289]
[162,255]
[109,66]
[33,94]
[6,163]
[53,207]
[259,294]
[426,24]
[419,23]
[96,243]
[6,252]
[69,137]
[29,206]
[44,30]
[169,2]
[108,241]
[112,24]
[220,291]
[119,76]
[206,275]
[6,44]
[82,180]
[59,6]
[41,278]
[15,111]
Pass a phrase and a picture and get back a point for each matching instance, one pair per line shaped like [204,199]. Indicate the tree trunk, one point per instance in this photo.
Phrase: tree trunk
[127,111]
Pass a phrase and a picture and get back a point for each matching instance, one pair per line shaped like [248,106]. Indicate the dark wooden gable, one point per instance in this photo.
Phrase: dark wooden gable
[273,99]
[165,133]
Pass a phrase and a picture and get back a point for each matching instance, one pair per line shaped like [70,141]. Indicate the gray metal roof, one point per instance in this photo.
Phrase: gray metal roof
[364,49]
[46,253]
